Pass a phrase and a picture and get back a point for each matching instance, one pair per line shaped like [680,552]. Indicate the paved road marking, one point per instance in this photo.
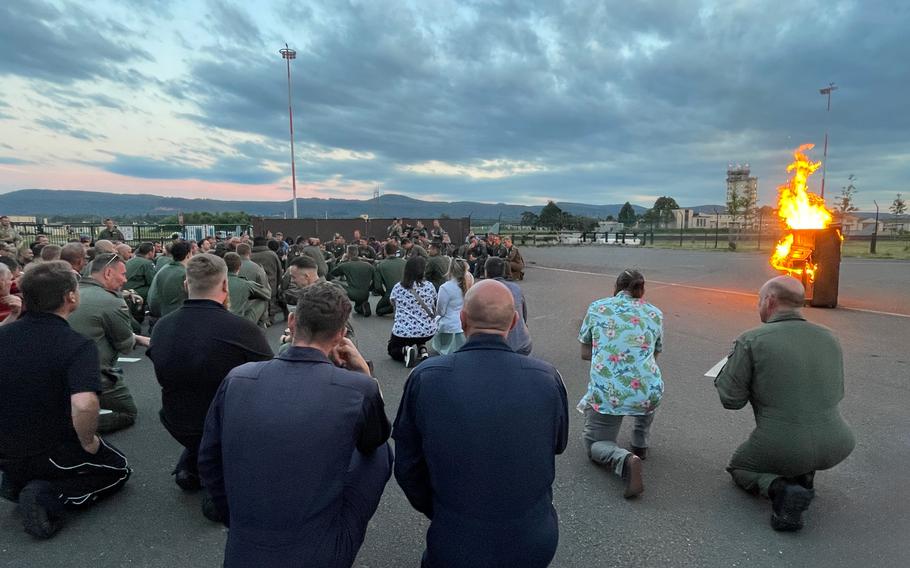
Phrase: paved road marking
[703,288]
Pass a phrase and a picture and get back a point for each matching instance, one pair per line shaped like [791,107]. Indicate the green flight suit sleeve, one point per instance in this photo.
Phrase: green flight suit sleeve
[117,328]
[377,280]
[154,301]
[734,383]
[257,292]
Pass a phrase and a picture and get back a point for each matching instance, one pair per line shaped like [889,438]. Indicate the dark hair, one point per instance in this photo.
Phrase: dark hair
[390,249]
[353,251]
[145,248]
[413,271]
[274,246]
[11,262]
[73,253]
[104,260]
[436,245]
[233,261]
[322,311]
[631,281]
[181,250]
[45,285]
[405,241]
[259,241]
[494,267]
[303,262]
[301,241]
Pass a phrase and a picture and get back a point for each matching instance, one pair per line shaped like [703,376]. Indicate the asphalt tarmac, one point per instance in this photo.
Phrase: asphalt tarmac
[691,514]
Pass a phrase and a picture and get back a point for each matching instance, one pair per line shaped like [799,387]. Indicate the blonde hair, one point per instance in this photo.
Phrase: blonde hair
[457,271]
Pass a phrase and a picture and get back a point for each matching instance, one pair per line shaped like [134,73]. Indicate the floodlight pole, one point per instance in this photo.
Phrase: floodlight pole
[287,53]
[826,91]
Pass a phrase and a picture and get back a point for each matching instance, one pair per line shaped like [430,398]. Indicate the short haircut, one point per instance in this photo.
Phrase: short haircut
[304,262]
[12,263]
[391,249]
[322,311]
[50,252]
[353,251]
[259,241]
[405,241]
[631,281]
[181,250]
[45,285]
[435,245]
[104,260]
[204,272]
[145,248]
[168,247]
[494,267]
[243,249]
[233,261]
[785,295]
[274,245]
[73,253]
[414,270]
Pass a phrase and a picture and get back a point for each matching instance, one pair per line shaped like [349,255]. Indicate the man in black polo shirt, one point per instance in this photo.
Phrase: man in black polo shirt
[193,349]
[50,454]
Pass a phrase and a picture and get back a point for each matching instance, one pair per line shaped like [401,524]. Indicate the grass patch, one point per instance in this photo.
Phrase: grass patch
[885,248]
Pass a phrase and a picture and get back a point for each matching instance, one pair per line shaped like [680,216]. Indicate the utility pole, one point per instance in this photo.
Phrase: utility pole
[826,91]
[874,231]
[287,53]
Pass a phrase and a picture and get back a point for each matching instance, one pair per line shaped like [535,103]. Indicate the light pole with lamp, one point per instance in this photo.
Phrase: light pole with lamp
[826,91]
[287,53]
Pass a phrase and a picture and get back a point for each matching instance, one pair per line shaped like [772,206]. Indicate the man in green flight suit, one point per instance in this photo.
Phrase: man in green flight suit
[792,372]
[242,293]
[386,274]
[104,317]
[437,265]
[358,279]
[110,232]
[140,272]
[168,292]
[8,234]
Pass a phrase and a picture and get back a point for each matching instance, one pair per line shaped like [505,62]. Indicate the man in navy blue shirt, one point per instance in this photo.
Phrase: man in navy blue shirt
[50,454]
[476,437]
[295,451]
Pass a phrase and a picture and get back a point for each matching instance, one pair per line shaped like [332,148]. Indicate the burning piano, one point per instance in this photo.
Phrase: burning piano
[811,245]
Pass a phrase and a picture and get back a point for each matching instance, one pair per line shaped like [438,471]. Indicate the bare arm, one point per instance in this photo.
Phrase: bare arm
[85,409]
[586,351]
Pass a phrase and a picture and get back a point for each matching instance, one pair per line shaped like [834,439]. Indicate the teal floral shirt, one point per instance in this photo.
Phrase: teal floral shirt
[625,335]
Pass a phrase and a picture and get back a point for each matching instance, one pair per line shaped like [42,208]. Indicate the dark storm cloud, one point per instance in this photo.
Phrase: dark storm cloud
[39,40]
[227,168]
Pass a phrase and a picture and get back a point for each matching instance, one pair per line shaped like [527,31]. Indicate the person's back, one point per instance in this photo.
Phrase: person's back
[386,274]
[140,271]
[243,298]
[359,277]
[520,336]
[476,437]
[797,385]
[167,293]
[269,261]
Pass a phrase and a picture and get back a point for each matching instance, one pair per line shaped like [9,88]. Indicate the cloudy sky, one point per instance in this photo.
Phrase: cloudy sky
[515,101]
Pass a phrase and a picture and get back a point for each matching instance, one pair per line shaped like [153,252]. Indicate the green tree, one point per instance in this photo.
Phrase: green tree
[529,218]
[737,204]
[551,216]
[844,202]
[898,207]
[662,212]
[627,215]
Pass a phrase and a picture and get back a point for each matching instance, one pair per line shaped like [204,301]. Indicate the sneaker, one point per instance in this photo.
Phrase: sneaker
[631,475]
[410,356]
[423,353]
[9,490]
[788,502]
[187,480]
[40,509]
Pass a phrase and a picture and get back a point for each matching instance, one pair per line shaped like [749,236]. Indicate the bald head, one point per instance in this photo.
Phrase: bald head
[783,293]
[104,246]
[488,308]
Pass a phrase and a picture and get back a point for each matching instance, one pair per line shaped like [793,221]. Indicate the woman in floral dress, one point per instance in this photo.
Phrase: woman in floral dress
[622,337]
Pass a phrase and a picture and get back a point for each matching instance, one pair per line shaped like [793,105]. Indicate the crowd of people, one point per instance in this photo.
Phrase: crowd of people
[291,449]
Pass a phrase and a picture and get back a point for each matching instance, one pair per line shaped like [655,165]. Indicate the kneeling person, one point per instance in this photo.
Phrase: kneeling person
[312,423]
[50,454]
[248,299]
[792,373]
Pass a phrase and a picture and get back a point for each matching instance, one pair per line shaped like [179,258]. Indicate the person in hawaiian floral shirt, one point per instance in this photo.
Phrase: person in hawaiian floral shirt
[621,336]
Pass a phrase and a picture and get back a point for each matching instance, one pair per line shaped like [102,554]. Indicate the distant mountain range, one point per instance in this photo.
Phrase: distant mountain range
[47,202]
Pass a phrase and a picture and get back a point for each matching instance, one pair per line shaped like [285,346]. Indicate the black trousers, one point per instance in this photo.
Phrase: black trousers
[190,439]
[396,344]
[78,477]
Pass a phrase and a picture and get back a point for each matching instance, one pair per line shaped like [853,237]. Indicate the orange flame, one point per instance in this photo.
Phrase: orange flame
[799,209]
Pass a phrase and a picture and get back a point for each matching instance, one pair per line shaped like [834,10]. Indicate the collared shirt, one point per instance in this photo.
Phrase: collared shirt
[43,362]
[625,334]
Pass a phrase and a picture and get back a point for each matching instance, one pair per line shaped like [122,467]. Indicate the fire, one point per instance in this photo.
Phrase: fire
[799,209]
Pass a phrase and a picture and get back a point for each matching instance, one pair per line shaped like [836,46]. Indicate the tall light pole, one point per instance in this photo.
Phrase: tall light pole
[288,54]
[826,91]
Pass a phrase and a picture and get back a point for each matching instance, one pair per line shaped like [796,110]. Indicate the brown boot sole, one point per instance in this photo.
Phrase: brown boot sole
[635,486]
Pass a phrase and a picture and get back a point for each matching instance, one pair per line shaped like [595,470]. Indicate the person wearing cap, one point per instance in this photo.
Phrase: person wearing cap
[104,317]
[110,232]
